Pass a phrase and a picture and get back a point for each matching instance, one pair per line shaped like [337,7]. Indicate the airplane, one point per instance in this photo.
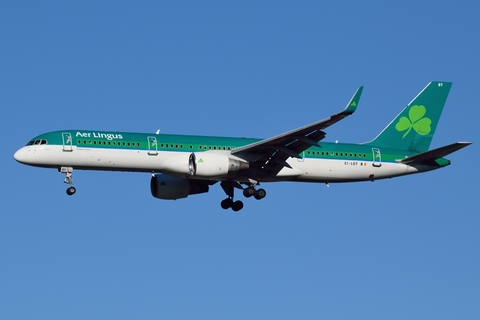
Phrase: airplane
[183,165]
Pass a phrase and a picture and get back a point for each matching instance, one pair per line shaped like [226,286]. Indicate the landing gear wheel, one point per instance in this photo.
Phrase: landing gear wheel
[260,194]
[71,190]
[248,192]
[237,205]
[228,187]
[227,203]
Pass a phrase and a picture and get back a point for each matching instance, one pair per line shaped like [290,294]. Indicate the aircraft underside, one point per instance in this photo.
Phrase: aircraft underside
[180,184]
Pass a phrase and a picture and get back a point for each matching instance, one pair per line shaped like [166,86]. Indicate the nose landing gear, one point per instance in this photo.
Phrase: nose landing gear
[68,179]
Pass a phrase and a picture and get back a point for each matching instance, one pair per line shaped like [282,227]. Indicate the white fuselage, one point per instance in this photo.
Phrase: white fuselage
[305,169]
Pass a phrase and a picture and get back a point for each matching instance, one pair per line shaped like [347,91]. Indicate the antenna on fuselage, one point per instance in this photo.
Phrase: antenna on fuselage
[158,131]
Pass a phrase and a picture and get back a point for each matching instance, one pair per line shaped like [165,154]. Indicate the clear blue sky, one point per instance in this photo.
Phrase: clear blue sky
[406,248]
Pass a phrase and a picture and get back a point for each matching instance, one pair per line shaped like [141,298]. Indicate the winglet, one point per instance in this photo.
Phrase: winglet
[353,103]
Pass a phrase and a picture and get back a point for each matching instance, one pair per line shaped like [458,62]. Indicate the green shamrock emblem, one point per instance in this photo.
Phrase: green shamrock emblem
[353,104]
[416,121]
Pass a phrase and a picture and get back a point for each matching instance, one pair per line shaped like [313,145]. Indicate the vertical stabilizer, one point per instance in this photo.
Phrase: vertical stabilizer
[414,127]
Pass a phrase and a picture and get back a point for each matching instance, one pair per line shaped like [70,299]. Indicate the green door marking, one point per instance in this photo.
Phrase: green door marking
[67,141]
[152,146]
[377,157]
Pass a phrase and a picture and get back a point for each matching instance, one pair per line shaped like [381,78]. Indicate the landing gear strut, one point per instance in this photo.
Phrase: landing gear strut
[250,191]
[68,179]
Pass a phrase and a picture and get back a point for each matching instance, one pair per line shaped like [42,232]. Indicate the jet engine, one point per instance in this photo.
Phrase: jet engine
[202,164]
[166,187]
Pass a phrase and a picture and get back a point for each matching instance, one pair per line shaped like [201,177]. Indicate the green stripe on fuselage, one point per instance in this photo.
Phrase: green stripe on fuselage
[187,143]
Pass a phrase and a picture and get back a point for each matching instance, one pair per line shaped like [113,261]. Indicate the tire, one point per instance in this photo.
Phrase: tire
[237,206]
[260,194]
[226,204]
[71,191]
[248,192]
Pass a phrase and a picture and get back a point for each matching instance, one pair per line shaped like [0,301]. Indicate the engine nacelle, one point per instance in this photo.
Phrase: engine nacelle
[202,164]
[213,164]
[183,165]
[166,187]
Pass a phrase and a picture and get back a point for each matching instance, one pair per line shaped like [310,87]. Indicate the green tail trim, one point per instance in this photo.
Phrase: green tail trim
[414,127]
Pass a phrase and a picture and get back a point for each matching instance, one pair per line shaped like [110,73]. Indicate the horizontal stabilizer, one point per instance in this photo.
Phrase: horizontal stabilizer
[434,154]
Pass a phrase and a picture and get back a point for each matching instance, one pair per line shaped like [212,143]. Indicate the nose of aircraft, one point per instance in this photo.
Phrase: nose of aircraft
[20,155]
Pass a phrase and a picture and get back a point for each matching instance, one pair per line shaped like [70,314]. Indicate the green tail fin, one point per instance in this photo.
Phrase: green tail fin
[414,127]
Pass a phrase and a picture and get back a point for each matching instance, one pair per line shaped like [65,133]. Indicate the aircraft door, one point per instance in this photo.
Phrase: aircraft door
[152,146]
[67,141]
[377,157]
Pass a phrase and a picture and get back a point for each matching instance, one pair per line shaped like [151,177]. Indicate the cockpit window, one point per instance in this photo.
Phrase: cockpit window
[37,142]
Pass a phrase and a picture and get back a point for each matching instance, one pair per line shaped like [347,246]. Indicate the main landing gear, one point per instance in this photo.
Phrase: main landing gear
[68,179]
[258,194]
[248,192]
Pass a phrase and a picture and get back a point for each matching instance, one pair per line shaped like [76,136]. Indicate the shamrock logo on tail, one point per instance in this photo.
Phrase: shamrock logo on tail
[416,121]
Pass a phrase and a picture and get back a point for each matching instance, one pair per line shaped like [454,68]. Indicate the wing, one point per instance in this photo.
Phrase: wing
[267,157]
